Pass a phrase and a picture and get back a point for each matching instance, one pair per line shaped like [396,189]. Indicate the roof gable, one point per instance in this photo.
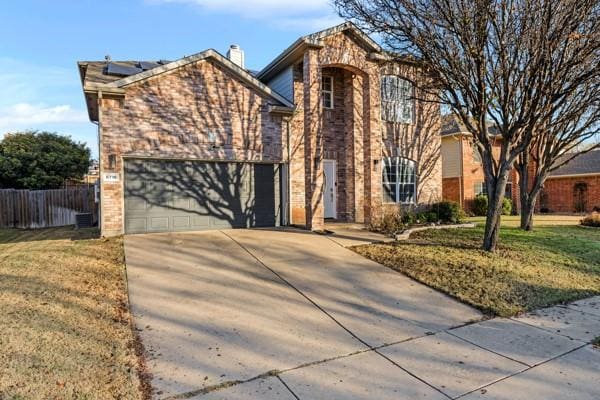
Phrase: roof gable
[119,84]
[293,52]
[349,28]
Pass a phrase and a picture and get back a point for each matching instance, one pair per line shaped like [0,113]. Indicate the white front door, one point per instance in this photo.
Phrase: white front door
[330,192]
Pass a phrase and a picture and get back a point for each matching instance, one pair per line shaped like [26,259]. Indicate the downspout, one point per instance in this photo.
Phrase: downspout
[289,171]
[462,178]
[97,123]
[100,164]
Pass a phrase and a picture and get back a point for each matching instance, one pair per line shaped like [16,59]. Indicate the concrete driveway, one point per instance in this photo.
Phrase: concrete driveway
[287,314]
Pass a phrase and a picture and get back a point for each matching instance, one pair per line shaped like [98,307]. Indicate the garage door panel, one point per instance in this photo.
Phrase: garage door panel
[139,224]
[200,222]
[135,204]
[159,223]
[220,223]
[182,202]
[199,206]
[182,222]
[157,194]
[169,195]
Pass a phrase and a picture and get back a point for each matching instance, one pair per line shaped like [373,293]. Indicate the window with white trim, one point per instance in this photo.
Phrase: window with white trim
[327,91]
[399,180]
[476,155]
[480,189]
[397,102]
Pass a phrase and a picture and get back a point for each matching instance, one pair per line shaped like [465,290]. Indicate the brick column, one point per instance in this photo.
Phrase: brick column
[355,148]
[348,148]
[297,156]
[313,141]
[372,145]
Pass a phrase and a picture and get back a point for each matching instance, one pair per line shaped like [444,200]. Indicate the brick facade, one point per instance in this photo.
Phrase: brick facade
[336,141]
[559,194]
[204,111]
[451,189]
[353,134]
[197,112]
[462,188]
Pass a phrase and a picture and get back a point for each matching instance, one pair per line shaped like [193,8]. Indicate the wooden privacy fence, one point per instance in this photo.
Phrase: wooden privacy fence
[45,208]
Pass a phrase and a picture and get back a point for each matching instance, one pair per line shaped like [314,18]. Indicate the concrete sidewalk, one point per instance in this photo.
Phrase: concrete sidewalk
[542,355]
[287,314]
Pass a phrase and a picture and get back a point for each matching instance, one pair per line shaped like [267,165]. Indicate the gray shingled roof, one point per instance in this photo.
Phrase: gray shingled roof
[586,163]
[451,125]
[96,71]
[95,78]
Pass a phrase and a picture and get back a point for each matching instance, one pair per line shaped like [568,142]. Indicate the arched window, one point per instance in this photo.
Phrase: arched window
[397,102]
[399,180]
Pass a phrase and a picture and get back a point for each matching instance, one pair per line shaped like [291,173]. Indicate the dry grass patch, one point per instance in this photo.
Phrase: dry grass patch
[64,320]
[551,265]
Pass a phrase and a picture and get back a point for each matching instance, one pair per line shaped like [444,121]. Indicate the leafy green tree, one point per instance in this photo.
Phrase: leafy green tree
[40,160]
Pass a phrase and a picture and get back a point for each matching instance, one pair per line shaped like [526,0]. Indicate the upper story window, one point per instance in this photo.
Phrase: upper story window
[327,91]
[476,155]
[399,180]
[397,103]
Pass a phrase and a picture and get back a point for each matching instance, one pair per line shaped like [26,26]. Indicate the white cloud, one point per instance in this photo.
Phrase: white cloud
[22,82]
[44,97]
[37,116]
[310,24]
[285,14]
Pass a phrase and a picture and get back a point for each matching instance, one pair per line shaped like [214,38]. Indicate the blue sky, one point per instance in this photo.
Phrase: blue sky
[42,41]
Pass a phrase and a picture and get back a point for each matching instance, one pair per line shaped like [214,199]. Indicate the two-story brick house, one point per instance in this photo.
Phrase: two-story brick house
[334,127]
[572,188]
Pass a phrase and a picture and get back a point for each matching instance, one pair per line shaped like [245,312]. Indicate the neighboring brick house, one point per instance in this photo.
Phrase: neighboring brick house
[462,172]
[330,129]
[574,187]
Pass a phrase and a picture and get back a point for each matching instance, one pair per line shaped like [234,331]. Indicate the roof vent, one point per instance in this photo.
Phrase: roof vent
[236,55]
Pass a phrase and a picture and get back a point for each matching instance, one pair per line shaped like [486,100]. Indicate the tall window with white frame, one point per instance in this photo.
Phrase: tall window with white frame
[397,99]
[399,180]
[327,91]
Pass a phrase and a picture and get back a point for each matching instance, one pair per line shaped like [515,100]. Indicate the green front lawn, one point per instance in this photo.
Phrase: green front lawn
[555,263]
[539,220]
[64,321]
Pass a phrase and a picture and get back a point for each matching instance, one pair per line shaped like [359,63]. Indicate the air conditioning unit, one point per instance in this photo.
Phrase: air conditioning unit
[84,220]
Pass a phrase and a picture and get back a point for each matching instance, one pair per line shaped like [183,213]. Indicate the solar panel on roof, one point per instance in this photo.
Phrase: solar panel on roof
[146,65]
[163,62]
[121,70]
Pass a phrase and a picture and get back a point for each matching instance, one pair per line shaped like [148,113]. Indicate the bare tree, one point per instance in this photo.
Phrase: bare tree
[495,60]
[570,130]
